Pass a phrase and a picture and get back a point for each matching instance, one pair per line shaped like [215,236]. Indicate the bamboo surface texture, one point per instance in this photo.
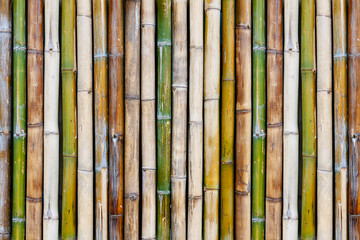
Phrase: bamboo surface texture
[5,117]
[340,116]
[211,119]
[116,118]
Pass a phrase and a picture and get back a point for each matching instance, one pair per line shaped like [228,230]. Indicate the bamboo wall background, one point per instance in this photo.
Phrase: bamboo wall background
[179,119]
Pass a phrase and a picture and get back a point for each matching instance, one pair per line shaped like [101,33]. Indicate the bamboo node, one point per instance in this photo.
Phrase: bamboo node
[116,55]
[35,125]
[308,156]
[245,193]
[164,43]
[275,51]
[19,48]
[8,30]
[259,48]
[194,47]
[194,197]
[15,219]
[132,97]
[274,125]
[196,123]
[340,55]
[160,192]
[254,219]
[131,196]
[211,189]
[163,117]
[178,177]
[148,25]
[148,169]
[35,51]
[241,111]
[244,26]
[5,133]
[34,199]
[270,199]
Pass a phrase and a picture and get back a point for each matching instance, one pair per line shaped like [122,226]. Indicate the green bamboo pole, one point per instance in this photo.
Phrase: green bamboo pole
[19,120]
[163,117]
[259,120]
[308,80]
[68,75]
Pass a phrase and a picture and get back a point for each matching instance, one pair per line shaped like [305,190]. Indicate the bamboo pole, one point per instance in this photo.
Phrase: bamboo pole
[259,116]
[211,119]
[19,120]
[308,98]
[68,75]
[291,131]
[195,125]
[274,127]
[340,116]
[116,118]
[35,118]
[5,117]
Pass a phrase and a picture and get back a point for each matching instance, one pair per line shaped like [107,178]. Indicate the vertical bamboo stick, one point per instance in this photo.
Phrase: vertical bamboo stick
[291,131]
[211,119]
[19,120]
[340,116]
[195,136]
[5,117]
[116,118]
[68,75]
[308,98]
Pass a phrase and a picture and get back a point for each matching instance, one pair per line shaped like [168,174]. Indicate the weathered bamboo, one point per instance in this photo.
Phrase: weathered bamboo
[274,118]
[19,120]
[211,119]
[259,124]
[69,135]
[195,126]
[354,117]
[291,130]
[308,98]
[35,106]
[5,116]
[340,116]
[85,168]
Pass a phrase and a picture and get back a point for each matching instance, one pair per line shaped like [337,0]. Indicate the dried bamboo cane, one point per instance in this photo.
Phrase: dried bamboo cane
[340,116]
[19,120]
[211,119]
[85,169]
[116,118]
[5,116]
[308,98]
[69,140]
[291,131]
[195,135]
[35,118]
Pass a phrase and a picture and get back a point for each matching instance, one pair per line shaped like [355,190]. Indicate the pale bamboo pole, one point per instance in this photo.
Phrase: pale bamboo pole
[291,130]
[211,119]
[148,125]
[132,120]
[324,121]
[195,135]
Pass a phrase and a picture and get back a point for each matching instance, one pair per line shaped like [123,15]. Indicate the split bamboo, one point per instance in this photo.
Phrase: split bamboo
[19,120]
[308,98]
[85,168]
[259,124]
[340,116]
[195,135]
[274,116]
[5,116]
[69,135]
[35,106]
[291,130]
[211,119]
[354,117]
[163,117]
[116,118]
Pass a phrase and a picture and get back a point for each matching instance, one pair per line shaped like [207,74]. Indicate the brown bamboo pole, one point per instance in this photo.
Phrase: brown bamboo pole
[132,119]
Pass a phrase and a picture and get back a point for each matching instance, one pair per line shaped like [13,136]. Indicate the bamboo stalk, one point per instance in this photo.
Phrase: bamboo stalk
[291,131]
[308,98]
[116,118]
[340,116]
[259,116]
[19,120]
[5,117]
[195,125]
[68,75]
[274,127]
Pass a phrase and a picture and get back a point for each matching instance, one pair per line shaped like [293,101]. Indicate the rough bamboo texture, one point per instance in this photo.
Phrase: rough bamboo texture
[340,116]
[259,118]
[308,98]
[274,118]
[291,129]
[116,118]
[19,120]
[195,125]
[69,134]
[211,119]
[85,170]
[35,124]
[5,116]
